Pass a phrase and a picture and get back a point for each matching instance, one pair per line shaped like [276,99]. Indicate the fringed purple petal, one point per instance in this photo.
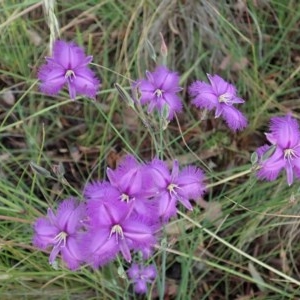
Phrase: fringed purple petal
[107,213]
[53,79]
[44,233]
[148,209]
[72,254]
[271,167]
[190,183]
[234,118]
[173,103]
[285,131]
[85,82]
[69,214]
[167,205]
[134,271]
[146,86]
[219,85]
[140,286]
[68,55]
[149,272]
[138,233]
[204,95]
[100,191]
[128,177]
[166,79]
[147,90]
[98,248]
[160,173]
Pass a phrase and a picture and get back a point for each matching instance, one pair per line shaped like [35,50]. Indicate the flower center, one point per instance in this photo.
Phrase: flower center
[289,154]
[225,98]
[125,197]
[158,93]
[172,188]
[117,229]
[60,239]
[70,75]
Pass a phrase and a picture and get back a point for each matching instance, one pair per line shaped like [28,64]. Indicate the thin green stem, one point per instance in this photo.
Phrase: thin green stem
[163,269]
[243,173]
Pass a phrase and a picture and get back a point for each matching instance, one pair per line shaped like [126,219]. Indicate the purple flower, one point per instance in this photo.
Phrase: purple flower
[135,184]
[159,90]
[141,275]
[68,65]
[221,96]
[62,232]
[285,152]
[119,230]
[176,186]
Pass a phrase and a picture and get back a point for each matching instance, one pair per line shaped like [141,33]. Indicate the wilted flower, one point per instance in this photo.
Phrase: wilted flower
[68,65]
[284,153]
[176,186]
[160,91]
[141,275]
[62,232]
[221,96]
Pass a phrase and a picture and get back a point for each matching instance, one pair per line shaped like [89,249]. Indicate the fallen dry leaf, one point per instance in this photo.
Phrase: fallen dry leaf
[8,97]
[34,37]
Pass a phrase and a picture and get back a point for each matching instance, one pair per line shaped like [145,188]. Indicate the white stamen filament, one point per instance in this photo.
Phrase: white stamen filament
[70,74]
[60,239]
[117,229]
[125,197]
[158,93]
[171,188]
[289,154]
[225,98]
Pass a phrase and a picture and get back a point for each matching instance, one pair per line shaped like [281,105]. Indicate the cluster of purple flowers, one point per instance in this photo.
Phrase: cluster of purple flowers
[122,215]
[159,90]
[161,87]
